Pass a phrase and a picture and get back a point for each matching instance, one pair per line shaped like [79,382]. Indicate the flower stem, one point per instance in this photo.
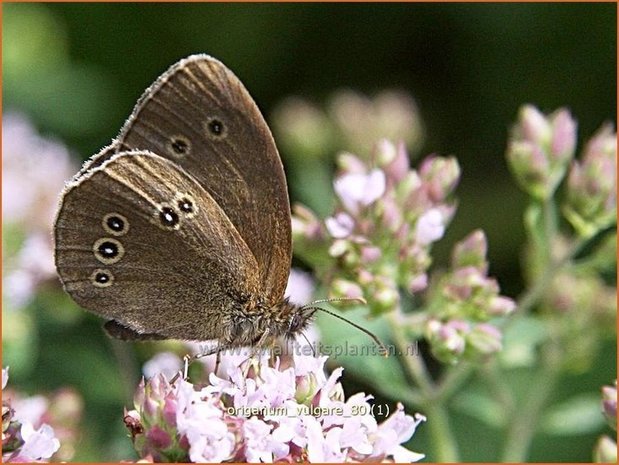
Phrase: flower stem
[445,445]
[443,440]
[523,427]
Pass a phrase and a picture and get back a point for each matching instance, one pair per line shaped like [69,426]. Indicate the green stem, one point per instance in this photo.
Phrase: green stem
[523,427]
[443,440]
[453,379]
[414,364]
[533,294]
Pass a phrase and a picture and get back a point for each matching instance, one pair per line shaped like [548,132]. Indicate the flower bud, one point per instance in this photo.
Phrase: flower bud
[609,404]
[592,185]
[393,160]
[605,450]
[342,288]
[440,176]
[484,339]
[471,251]
[540,149]
[305,224]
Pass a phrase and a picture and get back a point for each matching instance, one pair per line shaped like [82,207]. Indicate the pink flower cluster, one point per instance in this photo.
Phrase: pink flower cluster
[265,412]
[378,242]
[540,149]
[34,170]
[21,441]
[387,218]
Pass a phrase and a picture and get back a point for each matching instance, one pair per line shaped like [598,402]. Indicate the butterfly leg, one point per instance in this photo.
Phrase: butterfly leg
[217,362]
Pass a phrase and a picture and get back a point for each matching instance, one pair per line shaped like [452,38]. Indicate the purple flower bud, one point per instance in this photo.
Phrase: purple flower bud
[531,167]
[563,140]
[341,288]
[370,254]
[393,160]
[158,438]
[609,404]
[340,226]
[471,251]
[305,224]
[365,277]
[485,339]
[138,396]
[447,340]
[540,150]
[534,126]
[592,184]
[500,306]
[439,176]
[418,283]
[391,213]
[169,410]
[350,163]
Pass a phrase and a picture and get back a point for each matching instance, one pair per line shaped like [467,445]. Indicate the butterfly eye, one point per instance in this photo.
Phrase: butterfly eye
[115,224]
[179,146]
[108,250]
[101,278]
[215,127]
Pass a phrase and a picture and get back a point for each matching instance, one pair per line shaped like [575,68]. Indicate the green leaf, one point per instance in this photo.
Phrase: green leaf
[520,342]
[359,355]
[481,407]
[580,414]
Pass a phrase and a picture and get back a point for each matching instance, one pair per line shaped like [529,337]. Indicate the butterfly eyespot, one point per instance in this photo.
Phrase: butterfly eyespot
[115,224]
[185,205]
[101,278]
[179,146]
[215,127]
[108,250]
[169,218]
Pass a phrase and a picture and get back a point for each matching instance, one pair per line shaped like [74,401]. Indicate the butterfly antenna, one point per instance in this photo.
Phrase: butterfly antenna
[360,328]
[359,300]
[309,343]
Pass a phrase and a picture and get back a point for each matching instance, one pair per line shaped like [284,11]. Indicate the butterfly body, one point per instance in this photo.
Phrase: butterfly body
[180,228]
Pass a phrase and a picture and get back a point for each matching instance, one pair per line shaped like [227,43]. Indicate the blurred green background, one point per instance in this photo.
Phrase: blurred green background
[77,70]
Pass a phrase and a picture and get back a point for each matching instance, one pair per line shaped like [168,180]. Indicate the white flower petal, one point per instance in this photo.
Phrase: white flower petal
[38,444]
[430,227]
[340,225]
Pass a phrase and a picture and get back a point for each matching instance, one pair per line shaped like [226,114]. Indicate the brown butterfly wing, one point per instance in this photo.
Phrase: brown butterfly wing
[120,253]
[200,115]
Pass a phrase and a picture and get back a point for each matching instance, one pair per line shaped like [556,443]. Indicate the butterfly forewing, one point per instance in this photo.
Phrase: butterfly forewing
[139,233]
[199,115]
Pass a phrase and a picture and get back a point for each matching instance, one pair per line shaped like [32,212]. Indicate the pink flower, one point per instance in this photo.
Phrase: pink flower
[300,287]
[357,190]
[340,225]
[166,363]
[34,170]
[430,227]
[38,444]
[392,432]
[261,412]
